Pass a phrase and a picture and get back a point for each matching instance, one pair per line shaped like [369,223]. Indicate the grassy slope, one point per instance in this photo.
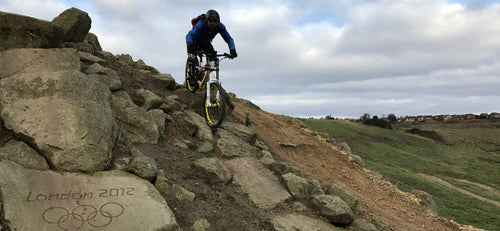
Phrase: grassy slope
[472,154]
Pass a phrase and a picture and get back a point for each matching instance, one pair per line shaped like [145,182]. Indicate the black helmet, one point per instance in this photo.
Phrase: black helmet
[212,17]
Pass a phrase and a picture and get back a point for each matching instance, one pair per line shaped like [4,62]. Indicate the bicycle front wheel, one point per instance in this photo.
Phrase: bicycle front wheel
[215,106]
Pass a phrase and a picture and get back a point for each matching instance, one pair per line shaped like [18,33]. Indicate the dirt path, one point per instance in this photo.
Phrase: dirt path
[378,200]
[463,191]
[485,187]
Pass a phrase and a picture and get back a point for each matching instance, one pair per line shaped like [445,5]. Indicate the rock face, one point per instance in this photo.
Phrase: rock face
[18,31]
[74,23]
[64,114]
[50,201]
[28,61]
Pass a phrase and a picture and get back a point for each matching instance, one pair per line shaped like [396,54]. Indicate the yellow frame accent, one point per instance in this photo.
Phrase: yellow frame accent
[206,78]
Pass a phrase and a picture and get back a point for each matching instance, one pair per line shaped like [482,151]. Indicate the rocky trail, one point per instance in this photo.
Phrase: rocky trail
[378,199]
[90,140]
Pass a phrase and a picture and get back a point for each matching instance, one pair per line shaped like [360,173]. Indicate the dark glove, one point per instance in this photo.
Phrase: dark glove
[233,54]
[191,49]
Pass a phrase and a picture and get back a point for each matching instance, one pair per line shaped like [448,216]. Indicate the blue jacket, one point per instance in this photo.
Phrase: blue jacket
[202,36]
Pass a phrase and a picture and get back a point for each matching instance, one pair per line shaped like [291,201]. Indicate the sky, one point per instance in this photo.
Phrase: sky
[315,58]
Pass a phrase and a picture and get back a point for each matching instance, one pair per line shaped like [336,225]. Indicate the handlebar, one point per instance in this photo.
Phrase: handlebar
[225,55]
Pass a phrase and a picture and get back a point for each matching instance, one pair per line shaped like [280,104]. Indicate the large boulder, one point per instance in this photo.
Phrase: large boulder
[333,208]
[65,115]
[113,200]
[296,185]
[348,198]
[93,41]
[164,80]
[74,23]
[136,124]
[143,167]
[146,99]
[22,154]
[18,31]
[214,169]
[247,134]
[234,146]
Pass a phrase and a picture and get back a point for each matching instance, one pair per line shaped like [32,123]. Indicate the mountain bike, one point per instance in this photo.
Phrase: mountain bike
[207,77]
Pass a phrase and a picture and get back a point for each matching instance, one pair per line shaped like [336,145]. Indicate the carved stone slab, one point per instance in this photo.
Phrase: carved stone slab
[47,200]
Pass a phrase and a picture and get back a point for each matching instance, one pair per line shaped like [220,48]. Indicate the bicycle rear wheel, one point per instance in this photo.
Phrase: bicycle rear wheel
[190,71]
[215,106]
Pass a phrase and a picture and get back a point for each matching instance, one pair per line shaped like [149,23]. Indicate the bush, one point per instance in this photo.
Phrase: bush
[378,123]
[252,105]
[427,134]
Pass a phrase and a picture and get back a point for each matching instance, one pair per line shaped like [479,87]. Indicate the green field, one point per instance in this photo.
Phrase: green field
[471,151]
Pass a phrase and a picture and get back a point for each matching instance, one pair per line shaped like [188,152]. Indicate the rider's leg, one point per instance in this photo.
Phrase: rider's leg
[192,60]
[210,51]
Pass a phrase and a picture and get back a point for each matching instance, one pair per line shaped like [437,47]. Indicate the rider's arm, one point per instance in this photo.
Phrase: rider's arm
[225,35]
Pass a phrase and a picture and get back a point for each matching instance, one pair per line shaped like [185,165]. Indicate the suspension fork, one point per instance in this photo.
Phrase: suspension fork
[214,65]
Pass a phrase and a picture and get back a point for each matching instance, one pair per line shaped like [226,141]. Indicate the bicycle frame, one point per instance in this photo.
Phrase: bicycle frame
[207,77]
[207,70]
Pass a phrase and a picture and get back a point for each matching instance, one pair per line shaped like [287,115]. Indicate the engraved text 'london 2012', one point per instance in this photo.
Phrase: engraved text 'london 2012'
[71,195]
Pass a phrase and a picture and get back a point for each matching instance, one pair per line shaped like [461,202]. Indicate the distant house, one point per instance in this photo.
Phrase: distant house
[458,117]
[469,116]
[494,115]
[410,118]
[428,118]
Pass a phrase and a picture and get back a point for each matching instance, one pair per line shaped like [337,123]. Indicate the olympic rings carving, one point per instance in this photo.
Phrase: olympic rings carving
[75,219]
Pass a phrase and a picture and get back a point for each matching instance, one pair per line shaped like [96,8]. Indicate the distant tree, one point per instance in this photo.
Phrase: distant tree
[377,123]
[329,117]
[365,116]
[392,118]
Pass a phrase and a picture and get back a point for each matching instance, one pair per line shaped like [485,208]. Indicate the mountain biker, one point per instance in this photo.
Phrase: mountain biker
[205,28]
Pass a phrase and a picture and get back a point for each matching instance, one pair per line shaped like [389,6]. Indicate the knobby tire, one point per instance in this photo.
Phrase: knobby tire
[216,114]
[187,71]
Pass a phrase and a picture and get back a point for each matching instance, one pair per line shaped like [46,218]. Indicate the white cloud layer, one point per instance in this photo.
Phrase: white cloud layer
[318,57]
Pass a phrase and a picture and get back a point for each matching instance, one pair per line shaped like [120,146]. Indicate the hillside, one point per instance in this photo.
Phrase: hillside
[465,165]
[96,141]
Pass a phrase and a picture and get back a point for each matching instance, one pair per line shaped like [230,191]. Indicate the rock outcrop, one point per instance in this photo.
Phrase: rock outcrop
[59,111]
[18,31]
[74,23]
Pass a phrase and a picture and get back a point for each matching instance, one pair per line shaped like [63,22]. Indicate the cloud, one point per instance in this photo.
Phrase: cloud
[319,57]
[46,10]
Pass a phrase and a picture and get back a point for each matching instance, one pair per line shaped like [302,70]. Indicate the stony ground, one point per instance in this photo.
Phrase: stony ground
[378,200]
[227,208]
